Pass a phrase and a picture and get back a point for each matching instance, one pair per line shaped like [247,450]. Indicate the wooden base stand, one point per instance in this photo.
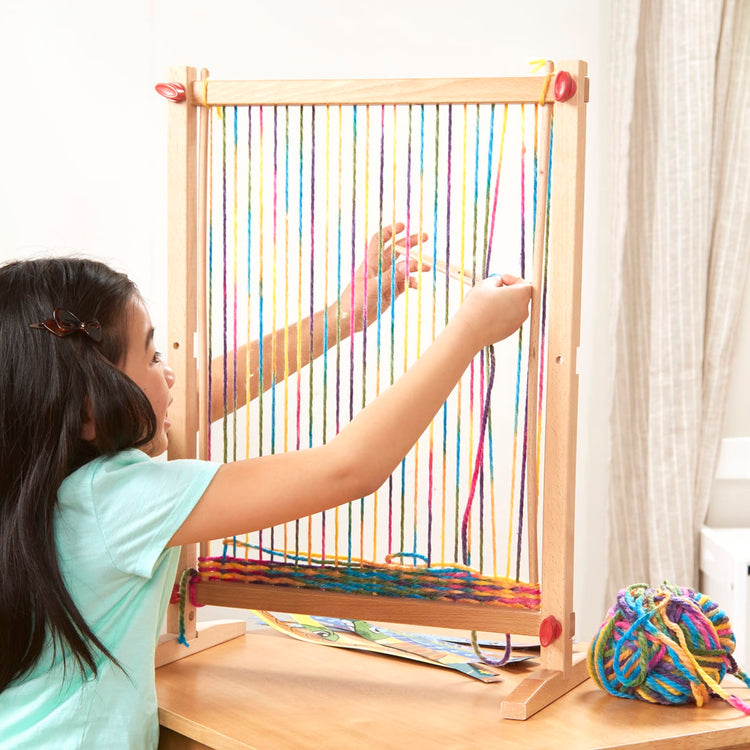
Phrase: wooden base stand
[540,689]
[207,635]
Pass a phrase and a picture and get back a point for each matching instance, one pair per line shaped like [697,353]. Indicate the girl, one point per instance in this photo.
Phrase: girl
[90,525]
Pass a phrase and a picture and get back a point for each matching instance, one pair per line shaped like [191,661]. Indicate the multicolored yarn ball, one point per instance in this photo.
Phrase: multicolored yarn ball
[666,645]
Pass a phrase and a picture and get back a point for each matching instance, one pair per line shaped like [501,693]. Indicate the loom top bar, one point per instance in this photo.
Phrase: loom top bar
[523,90]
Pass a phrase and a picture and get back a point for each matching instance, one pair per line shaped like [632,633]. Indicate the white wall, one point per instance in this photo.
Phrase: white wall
[83,146]
[730,502]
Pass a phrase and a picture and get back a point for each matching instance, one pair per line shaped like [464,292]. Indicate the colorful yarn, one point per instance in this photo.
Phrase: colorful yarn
[188,577]
[287,191]
[439,582]
[668,645]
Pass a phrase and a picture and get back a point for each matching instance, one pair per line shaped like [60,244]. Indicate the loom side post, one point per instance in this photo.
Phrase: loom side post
[182,314]
[561,670]
[561,426]
[181,309]
[202,281]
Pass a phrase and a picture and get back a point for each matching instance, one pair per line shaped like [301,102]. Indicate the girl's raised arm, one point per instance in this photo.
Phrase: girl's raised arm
[344,316]
[262,492]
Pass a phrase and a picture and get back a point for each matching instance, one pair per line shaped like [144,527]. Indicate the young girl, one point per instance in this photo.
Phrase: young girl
[90,525]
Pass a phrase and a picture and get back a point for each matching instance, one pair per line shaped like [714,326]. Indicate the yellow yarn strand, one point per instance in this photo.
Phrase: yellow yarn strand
[326,258]
[338,321]
[367,235]
[248,339]
[394,183]
[420,226]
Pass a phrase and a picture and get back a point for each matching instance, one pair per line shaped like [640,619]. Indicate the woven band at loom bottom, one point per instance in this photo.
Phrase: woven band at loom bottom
[444,582]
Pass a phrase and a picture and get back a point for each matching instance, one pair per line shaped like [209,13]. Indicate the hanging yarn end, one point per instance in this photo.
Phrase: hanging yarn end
[189,575]
[668,645]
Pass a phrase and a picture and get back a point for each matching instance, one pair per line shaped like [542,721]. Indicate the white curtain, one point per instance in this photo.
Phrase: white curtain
[681,232]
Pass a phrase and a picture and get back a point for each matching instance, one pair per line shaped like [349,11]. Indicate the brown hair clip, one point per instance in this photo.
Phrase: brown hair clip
[63,323]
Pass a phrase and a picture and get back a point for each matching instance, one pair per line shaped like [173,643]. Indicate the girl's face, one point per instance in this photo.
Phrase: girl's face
[144,366]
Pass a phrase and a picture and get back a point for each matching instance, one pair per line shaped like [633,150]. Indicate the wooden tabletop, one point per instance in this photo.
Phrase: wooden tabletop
[268,691]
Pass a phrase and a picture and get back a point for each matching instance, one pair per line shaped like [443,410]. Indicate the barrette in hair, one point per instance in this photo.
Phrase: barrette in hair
[64,323]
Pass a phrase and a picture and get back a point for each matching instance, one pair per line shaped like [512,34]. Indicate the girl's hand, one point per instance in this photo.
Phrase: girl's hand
[495,308]
[353,299]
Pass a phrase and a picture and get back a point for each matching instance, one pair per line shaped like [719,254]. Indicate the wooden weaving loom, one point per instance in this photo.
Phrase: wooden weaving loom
[287,203]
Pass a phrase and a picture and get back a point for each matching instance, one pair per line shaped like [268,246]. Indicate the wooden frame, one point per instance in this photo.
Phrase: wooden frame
[559,671]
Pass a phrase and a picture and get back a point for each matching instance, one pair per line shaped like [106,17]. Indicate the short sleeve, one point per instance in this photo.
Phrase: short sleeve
[140,503]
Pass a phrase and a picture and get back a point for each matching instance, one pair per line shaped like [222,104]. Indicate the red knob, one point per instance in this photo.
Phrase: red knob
[549,630]
[565,86]
[175,92]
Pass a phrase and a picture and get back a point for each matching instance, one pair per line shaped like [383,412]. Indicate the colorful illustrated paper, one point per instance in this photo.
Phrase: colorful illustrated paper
[365,636]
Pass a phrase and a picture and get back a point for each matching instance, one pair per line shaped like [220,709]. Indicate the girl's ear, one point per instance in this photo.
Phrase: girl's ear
[88,432]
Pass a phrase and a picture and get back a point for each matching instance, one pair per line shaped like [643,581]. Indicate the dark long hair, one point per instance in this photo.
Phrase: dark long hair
[48,387]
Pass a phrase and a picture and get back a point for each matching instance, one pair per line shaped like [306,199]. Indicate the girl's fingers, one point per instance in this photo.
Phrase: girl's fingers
[506,279]
[415,265]
[397,247]
[414,239]
[386,234]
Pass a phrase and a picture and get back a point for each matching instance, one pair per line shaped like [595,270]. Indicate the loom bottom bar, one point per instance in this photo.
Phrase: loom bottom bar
[466,616]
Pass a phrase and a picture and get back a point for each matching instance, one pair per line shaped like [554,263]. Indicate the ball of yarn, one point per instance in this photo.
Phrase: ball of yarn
[666,645]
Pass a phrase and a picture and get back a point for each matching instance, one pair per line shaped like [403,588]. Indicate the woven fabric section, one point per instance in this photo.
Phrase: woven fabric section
[451,583]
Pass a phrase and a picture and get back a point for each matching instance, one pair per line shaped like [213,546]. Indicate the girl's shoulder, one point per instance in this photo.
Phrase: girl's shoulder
[129,504]
[101,466]
[133,463]
[131,475]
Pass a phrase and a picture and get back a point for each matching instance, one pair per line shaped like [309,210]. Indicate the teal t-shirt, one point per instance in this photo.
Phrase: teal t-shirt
[115,517]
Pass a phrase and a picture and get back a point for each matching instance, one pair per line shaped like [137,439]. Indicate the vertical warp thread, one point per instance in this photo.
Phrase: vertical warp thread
[323,518]
[462,266]
[300,231]
[433,334]
[519,356]
[365,321]
[392,339]
[524,442]
[210,272]
[249,279]
[379,322]
[224,271]
[311,309]
[420,223]
[402,467]
[352,271]
[261,325]
[339,260]
[235,239]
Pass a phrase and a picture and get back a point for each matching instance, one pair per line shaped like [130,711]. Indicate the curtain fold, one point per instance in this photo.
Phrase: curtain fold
[680,227]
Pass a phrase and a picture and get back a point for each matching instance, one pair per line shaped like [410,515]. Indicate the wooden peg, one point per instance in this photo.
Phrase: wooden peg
[450,270]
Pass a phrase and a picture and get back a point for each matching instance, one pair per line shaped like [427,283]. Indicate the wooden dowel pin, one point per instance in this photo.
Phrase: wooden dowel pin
[450,270]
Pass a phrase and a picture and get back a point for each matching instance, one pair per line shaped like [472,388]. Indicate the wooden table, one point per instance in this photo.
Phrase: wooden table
[268,691]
